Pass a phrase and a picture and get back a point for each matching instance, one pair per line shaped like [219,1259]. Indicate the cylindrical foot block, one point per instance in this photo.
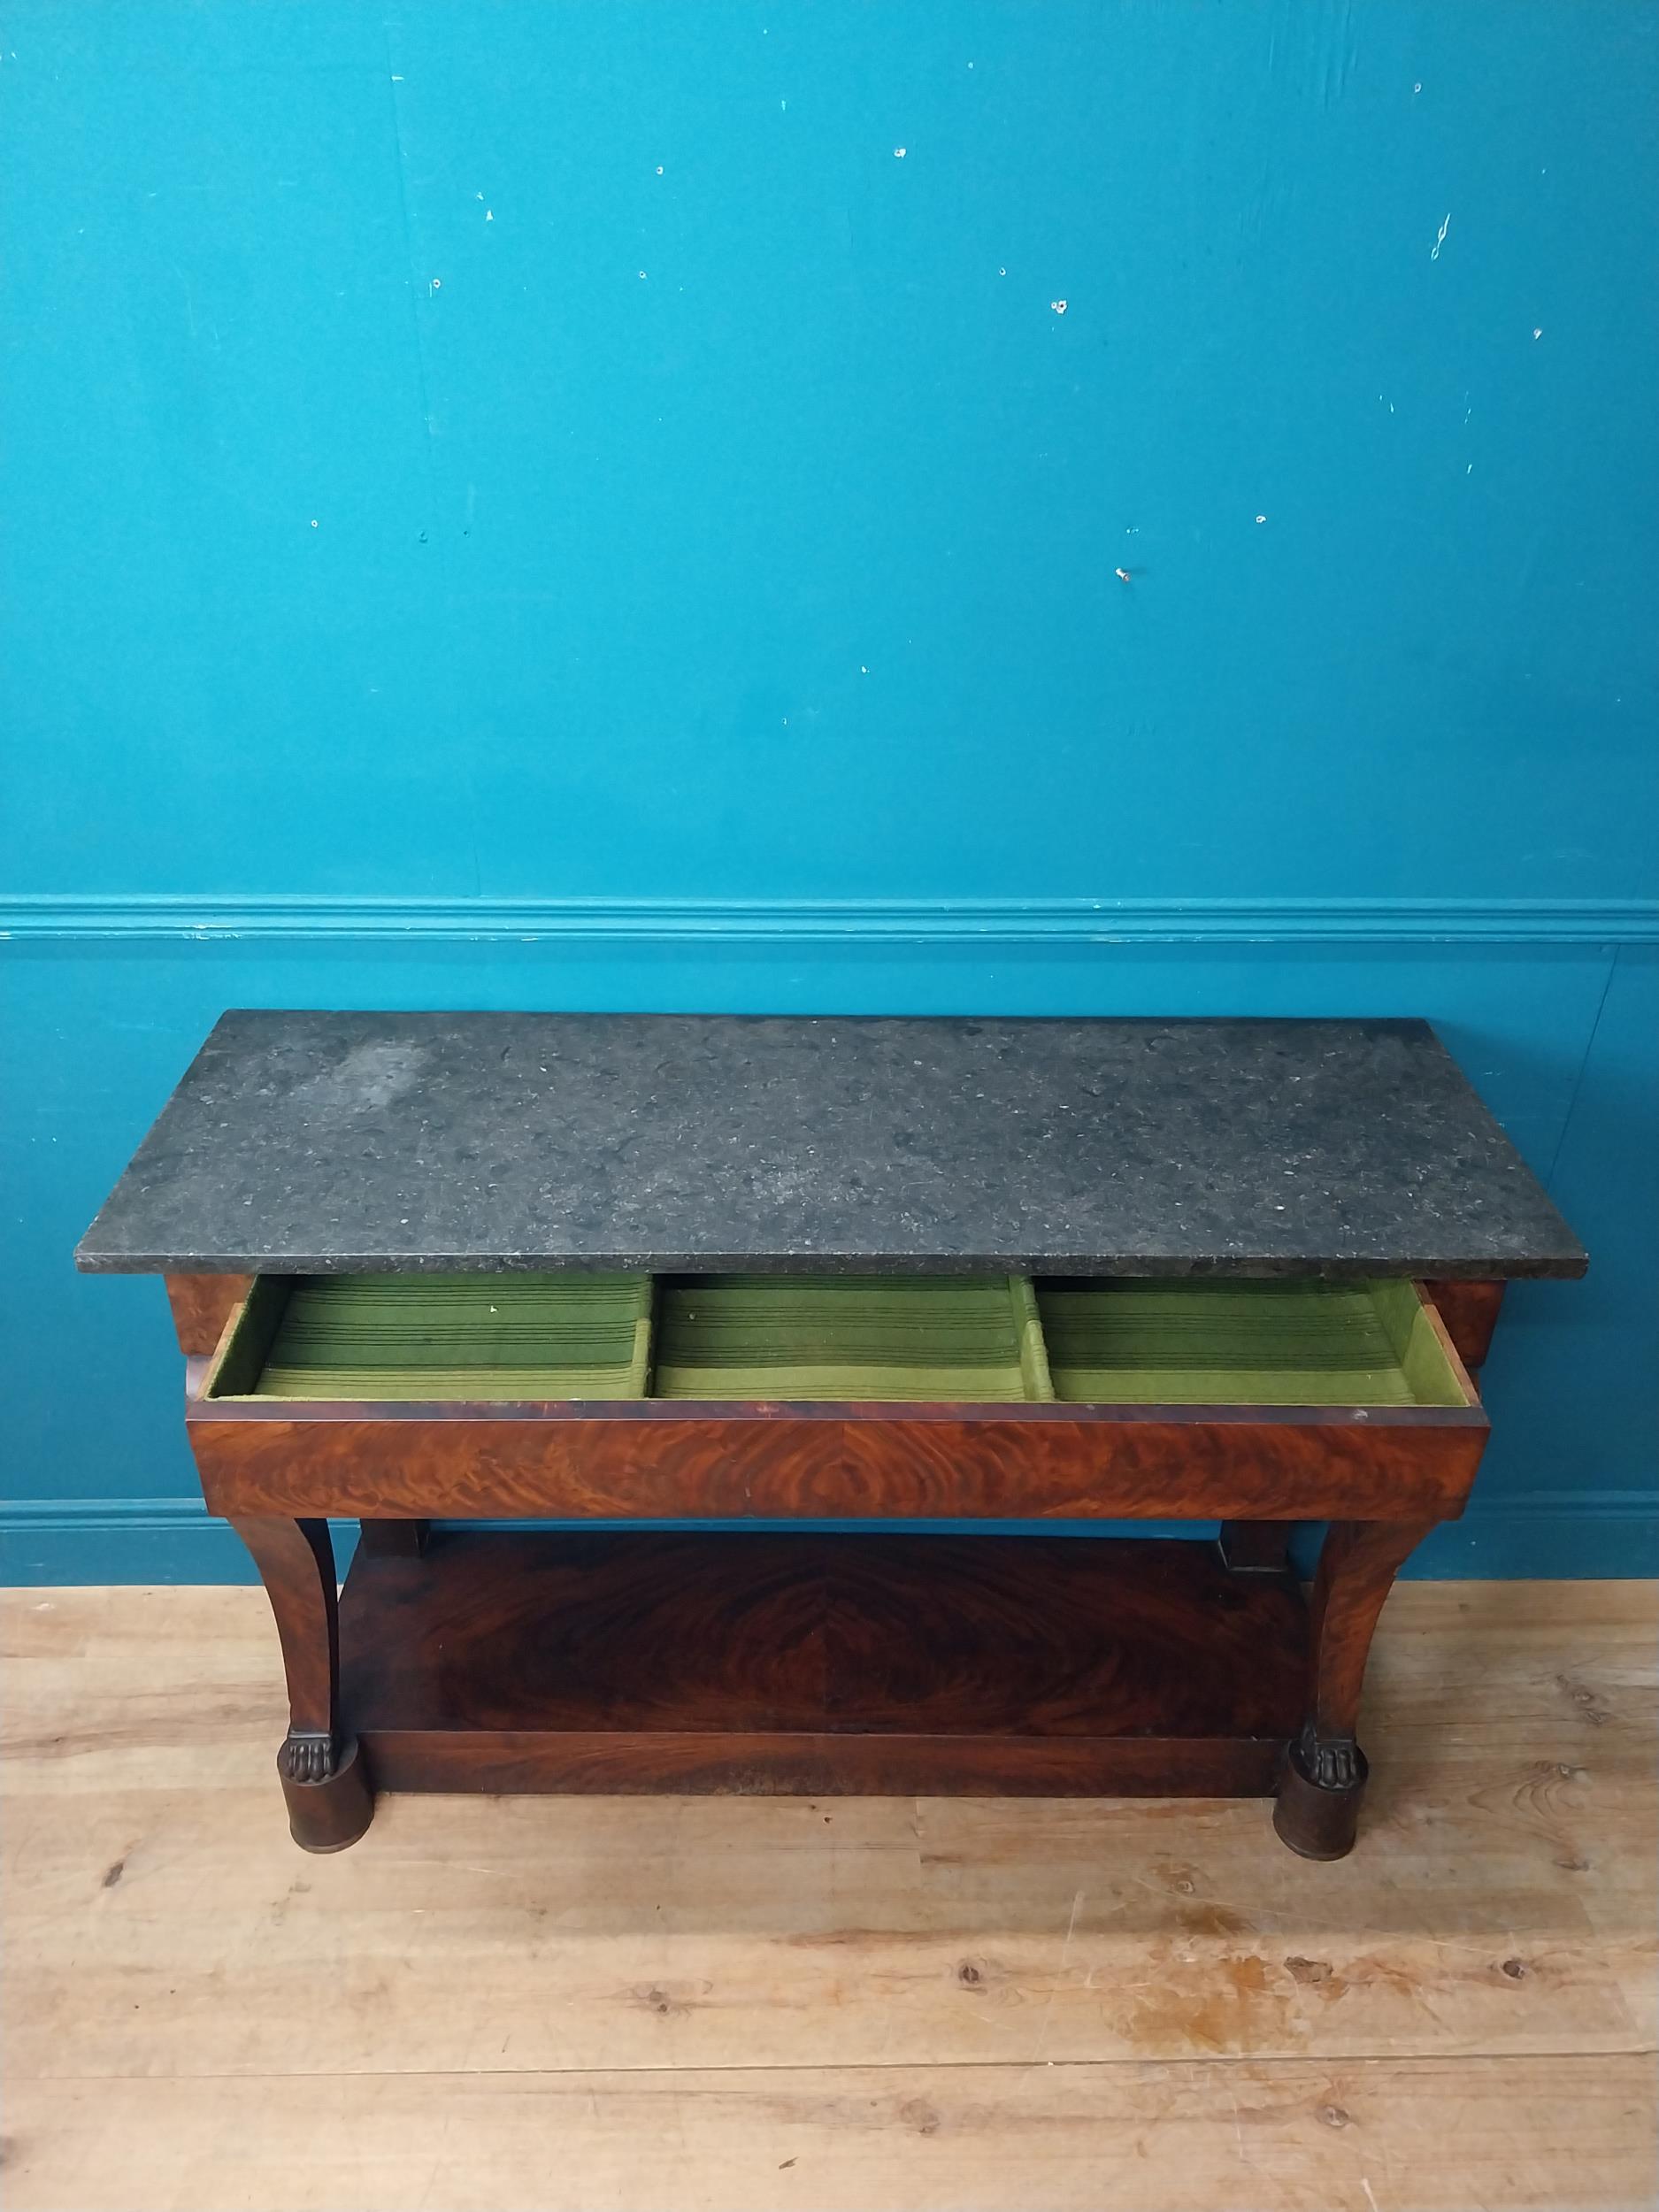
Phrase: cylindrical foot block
[327,1816]
[1317,1822]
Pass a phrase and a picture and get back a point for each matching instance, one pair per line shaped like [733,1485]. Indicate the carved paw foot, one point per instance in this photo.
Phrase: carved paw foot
[1320,1794]
[1331,1763]
[306,1759]
[325,1782]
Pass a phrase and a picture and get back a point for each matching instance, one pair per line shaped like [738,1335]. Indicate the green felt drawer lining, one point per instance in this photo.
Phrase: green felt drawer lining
[991,1339]
[856,1337]
[1269,1343]
[461,1337]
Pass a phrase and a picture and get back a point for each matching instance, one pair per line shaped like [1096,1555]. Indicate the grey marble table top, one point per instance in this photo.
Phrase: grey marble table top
[317,1142]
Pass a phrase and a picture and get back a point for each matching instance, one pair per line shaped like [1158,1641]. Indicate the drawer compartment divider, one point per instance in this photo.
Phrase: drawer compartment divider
[1033,1350]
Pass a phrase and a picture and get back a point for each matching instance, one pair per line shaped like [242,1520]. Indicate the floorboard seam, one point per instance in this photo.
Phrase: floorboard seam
[1583,2053]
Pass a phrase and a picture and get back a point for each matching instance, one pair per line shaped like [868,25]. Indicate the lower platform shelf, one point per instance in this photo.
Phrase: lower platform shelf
[507,1661]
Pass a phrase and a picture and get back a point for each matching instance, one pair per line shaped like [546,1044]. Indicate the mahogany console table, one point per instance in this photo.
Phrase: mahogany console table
[483,1268]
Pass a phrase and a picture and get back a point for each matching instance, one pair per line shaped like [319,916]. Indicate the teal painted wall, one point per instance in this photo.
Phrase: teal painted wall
[407,601]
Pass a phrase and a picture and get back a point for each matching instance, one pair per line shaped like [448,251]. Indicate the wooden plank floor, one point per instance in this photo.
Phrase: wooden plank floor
[531,2004]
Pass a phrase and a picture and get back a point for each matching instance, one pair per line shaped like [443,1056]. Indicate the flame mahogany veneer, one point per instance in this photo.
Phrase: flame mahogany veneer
[817,1663]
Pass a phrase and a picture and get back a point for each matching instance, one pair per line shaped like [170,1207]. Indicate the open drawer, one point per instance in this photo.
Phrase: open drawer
[945,1396]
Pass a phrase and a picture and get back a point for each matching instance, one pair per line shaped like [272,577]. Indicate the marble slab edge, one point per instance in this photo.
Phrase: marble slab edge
[1241,1267]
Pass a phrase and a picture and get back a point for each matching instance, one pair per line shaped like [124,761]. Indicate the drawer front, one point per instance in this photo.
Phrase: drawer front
[1090,1440]
[687,1463]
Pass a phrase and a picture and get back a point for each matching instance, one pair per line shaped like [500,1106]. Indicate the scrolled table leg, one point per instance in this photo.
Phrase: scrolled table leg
[324,1778]
[1323,1783]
